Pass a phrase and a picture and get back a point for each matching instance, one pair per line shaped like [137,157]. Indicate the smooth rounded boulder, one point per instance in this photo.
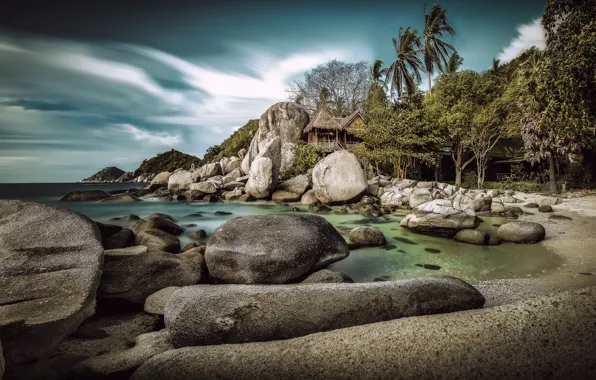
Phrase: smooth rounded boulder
[472,237]
[50,265]
[366,235]
[439,224]
[136,278]
[85,196]
[327,276]
[272,249]
[161,179]
[551,337]
[181,180]
[222,314]
[521,232]
[339,178]
[157,240]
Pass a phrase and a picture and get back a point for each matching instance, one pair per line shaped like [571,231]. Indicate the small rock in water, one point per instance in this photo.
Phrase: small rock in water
[545,208]
[389,247]
[432,250]
[222,213]
[401,251]
[131,217]
[194,215]
[405,240]
[198,234]
[189,225]
[429,266]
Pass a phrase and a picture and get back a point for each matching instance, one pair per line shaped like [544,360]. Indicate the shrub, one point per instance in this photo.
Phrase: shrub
[306,157]
[470,180]
[523,186]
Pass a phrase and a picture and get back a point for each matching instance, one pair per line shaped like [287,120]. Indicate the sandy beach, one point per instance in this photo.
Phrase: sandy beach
[574,241]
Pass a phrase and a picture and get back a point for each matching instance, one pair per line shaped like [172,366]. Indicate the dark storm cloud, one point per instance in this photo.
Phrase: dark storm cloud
[28,104]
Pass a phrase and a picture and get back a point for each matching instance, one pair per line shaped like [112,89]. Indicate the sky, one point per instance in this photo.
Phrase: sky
[85,85]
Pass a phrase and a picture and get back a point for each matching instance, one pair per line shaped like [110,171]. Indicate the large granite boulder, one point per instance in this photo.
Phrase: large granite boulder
[521,232]
[339,178]
[550,337]
[439,224]
[309,198]
[297,185]
[124,198]
[210,170]
[280,196]
[50,265]
[204,314]
[181,180]
[156,302]
[547,201]
[161,179]
[264,171]
[272,249]
[472,237]
[234,164]
[158,240]
[285,121]
[120,239]
[207,187]
[136,278]
[85,196]
[157,221]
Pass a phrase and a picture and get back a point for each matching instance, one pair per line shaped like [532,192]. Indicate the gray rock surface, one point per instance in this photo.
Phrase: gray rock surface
[366,235]
[309,198]
[85,196]
[136,278]
[472,237]
[521,232]
[210,170]
[123,253]
[327,276]
[124,198]
[157,221]
[207,187]
[284,120]
[121,364]
[120,239]
[264,170]
[281,196]
[50,265]
[161,178]
[551,337]
[547,201]
[339,178]
[181,180]
[156,302]
[206,314]
[297,185]
[270,249]
[426,222]
[157,240]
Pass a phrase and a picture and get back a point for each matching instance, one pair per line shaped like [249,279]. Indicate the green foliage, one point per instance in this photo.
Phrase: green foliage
[167,162]
[470,180]
[240,139]
[523,186]
[398,135]
[436,49]
[404,72]
[306,157]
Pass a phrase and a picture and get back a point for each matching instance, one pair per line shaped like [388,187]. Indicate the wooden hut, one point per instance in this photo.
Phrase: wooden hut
[333,133]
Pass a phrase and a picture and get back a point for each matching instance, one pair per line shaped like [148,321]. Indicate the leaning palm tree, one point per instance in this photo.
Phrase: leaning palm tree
[377,73]
[436,49]
[404,72]
[454,63]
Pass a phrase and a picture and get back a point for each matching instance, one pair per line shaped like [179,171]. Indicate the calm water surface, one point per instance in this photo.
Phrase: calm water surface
[398,259]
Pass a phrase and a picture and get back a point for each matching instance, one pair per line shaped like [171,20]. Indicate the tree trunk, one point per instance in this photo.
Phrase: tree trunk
[429,83]
[457,175]
[552,180]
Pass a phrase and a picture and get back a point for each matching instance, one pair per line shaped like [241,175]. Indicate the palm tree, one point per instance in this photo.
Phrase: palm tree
[404,72]
[496,65]
[454,63]
[377,72]
[436,50]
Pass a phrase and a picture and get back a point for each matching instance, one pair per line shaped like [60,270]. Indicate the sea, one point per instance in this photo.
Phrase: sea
[406,255]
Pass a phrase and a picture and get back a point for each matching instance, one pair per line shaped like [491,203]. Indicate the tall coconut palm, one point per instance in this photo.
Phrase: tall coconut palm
[436,49]
[454,63]
[496,65]
[377,74]
[404,72]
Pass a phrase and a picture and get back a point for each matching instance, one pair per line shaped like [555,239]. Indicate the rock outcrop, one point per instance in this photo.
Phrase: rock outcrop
[521,232]
[285,121]
[272,249]
[264,170]
[136,278]
[161,179]
[181,180]
[204,314]
[546,337]
[439,224]
[109,174]
[50,265]
[339,178]
[85,196]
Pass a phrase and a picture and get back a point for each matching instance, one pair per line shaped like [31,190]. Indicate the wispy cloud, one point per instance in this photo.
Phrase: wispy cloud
[155,138]
[532,34]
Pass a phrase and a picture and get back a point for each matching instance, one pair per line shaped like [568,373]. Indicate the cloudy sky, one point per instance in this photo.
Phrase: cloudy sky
[86,85]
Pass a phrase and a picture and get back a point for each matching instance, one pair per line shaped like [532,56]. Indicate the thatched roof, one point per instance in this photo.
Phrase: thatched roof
[323,120]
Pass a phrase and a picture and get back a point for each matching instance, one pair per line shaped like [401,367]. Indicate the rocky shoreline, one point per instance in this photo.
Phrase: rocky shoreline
[256,300]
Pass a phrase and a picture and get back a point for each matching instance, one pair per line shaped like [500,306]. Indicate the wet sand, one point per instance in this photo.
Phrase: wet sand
[574,241]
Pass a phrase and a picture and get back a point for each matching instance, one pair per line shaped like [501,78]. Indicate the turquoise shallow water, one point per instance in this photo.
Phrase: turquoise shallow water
[403,257]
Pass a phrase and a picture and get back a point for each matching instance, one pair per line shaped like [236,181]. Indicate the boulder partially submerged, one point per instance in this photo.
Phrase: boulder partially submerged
[339,178]
[272,249]
[50,265]
[521,232]
[205,314]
